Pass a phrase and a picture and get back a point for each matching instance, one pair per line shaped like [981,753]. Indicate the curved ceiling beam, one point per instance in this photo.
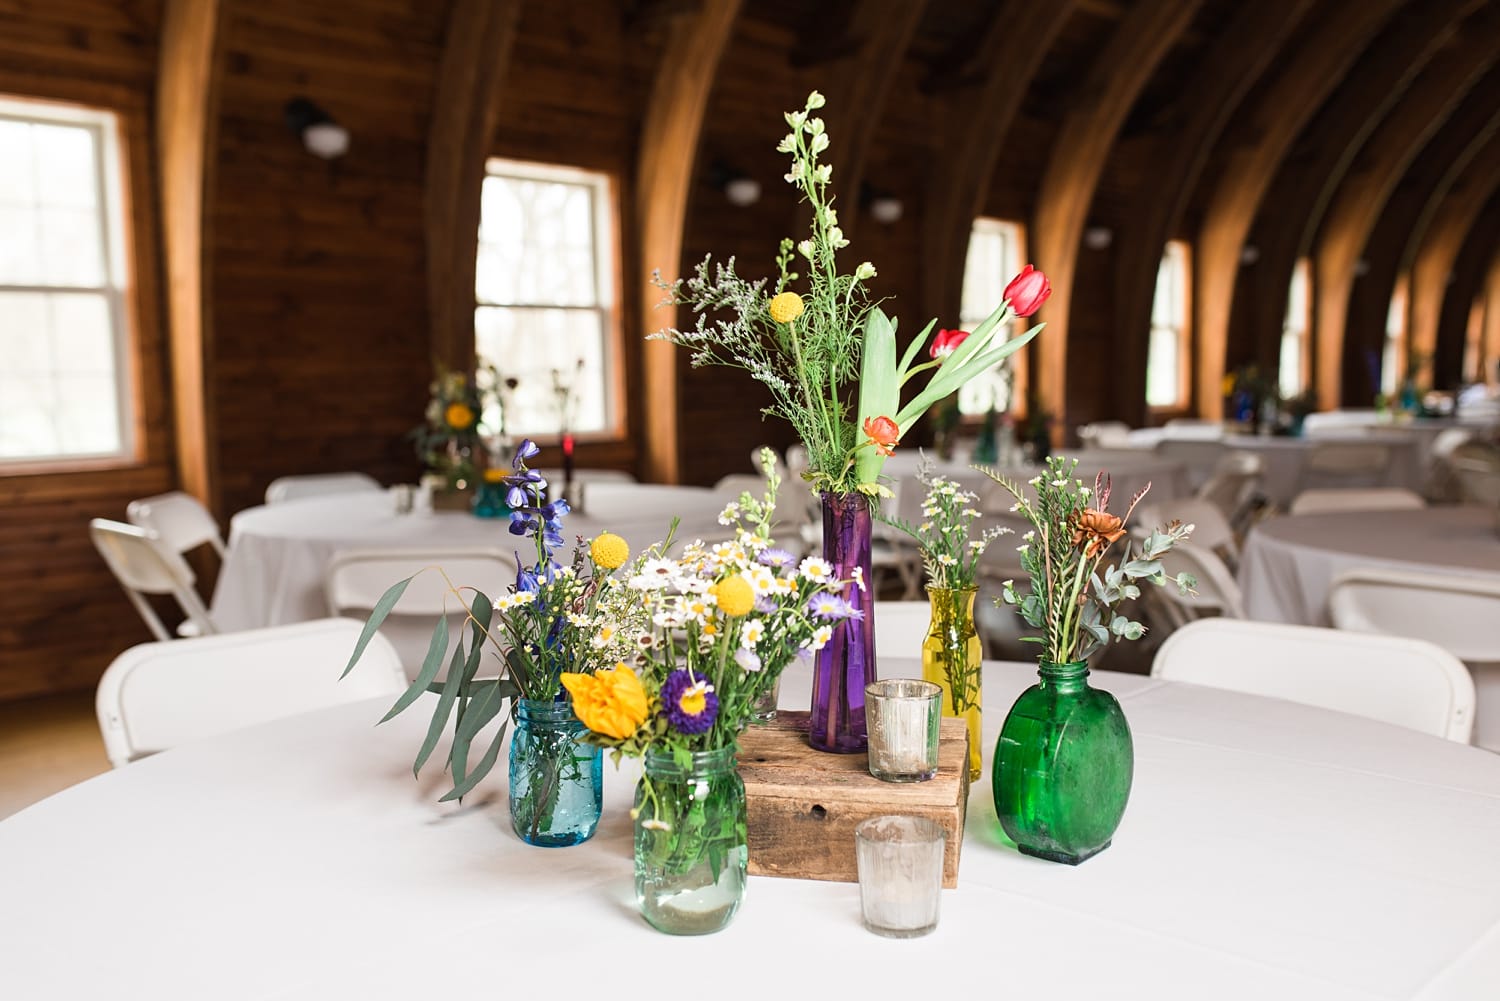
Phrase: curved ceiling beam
[1463,297]
[1363,193]
[1439,248]
[978,126]
[465,109]
[1288,221]
[1077,160]
[187,88]
[1224,75]
[1489,350]
[668,149]
[1260,140]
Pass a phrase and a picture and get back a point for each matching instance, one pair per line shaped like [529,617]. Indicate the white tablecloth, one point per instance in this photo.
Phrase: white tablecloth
[1290,562]
[1269,851]
[273,574]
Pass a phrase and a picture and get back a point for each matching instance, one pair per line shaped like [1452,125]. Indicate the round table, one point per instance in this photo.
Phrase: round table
[1290,562]
[1270,850]
[273,574]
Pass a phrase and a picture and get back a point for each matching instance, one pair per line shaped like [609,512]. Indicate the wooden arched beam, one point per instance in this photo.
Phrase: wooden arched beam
[668,148]
[1408,211]
[1075,164]
[1465,291]
[1363,194]
[1020,34]
[1490,339]
[1260,139]
[187,87]
[1288,221]
[1225,73]
[857,89]
[465,109]
[1439,249]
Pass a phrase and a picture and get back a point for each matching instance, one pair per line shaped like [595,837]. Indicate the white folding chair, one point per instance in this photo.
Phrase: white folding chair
[1193,428]
[1407,682]
[143,564]
[1199,456]
[900,628]
[355,579]
[1105,434]
[156,696]
[1338,422]
[1476,466]
[285,488]
[1216,592]
[1460,614]
[1234,485]
[1441,483]
[1344,464]
[178,519]
[1320,501]
[1211,529]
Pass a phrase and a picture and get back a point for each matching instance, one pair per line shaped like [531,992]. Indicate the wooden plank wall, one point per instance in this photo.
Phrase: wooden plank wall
[62,616]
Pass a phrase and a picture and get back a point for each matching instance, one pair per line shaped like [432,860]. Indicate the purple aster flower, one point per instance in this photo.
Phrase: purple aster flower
[777,558]
[831,607]
[748,659]
[690,703]
[765,604]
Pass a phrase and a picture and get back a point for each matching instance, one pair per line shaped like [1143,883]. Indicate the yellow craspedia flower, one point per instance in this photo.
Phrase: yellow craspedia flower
[459,415]
[609,551]
[493,475]
[609,702]
[735,596]
[786,307]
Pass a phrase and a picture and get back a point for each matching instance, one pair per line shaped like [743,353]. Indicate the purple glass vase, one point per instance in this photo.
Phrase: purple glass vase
[847,664]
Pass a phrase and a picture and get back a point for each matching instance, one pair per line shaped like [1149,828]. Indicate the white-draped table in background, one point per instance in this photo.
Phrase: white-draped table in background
[273,574]
[1269,850]
[1290,562]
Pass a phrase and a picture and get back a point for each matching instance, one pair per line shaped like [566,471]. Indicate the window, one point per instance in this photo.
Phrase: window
[1395,341]
[1168,352]
[545,312]
[1294,340]
[996,254]
[64,384]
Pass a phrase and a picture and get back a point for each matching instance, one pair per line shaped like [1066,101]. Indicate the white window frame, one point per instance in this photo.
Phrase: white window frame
[1295,327]
[1393,354]
[104,125]
[974,399]
[1176,256]
[606,301]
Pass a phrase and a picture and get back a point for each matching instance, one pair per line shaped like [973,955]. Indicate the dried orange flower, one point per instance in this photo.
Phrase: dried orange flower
[1095,530]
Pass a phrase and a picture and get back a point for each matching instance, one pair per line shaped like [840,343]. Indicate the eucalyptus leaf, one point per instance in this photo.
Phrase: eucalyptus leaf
[377,617]
[484,707]
[444,708]
[463,788]
[430,664]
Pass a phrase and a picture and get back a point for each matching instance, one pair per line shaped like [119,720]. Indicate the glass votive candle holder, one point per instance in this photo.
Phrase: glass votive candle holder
[900,861]
[902,716]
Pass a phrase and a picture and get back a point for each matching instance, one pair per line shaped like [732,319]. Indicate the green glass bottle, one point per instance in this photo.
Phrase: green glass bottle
[1063,766]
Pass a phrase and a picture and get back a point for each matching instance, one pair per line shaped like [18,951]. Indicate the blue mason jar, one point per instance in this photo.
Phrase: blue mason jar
[489,497]
[556,780]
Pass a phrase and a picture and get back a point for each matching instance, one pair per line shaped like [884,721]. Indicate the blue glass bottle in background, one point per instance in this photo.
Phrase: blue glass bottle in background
[489,498]
[556,780]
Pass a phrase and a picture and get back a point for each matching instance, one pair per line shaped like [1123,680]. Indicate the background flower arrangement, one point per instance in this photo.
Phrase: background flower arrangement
[445,441]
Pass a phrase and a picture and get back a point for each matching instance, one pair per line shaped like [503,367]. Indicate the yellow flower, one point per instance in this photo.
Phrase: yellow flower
[493,475]
[609,551]
[786,307]
[735,595]
[459,416]
[609,702]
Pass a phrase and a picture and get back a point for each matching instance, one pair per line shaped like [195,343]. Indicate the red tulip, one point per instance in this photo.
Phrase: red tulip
[883,433]
[1027,291]
[946,342]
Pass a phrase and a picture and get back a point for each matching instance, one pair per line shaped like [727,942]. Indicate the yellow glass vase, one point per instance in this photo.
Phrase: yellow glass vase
[951,657]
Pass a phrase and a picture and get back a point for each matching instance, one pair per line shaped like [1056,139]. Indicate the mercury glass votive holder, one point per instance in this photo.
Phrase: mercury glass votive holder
[900,861]
[902,716]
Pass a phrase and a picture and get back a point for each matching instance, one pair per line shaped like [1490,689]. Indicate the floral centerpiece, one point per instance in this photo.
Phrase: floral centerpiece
[446,439]
[555,618]
[951,653]
[1064,761]
[725,620]
[830,360]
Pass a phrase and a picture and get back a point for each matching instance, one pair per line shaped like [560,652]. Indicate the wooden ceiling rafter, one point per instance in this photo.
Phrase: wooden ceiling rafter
[1434,261]
[1363,192]
[669,144]
[1464,295]
[1287,223]
[1075,164]
[977,131]
[1224,75]
[465,111]
[1490,337]
[187,89]
[1262,137]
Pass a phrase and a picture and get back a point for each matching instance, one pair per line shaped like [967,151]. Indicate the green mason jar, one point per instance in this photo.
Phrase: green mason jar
[1063,766]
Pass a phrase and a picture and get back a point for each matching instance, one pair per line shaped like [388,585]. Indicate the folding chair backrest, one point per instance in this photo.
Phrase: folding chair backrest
[158,695]
[1460,614]
[287,488]
[1407,682]
[178,519]
[1324,499]
[1344,464]
[143,564]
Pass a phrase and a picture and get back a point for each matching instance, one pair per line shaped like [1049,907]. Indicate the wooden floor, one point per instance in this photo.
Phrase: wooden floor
[46,745]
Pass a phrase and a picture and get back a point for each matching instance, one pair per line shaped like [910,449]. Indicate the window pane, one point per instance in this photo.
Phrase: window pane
[993,259]
[17,171]
[536,243]
[87,416]
[27,429]
[20,246]
[530,345]
[84,334]
[26,333]
[66,171]
[1162,368]
[1166,359]
[71,251]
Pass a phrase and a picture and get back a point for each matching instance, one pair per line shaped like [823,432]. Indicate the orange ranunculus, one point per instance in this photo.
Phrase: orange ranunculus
[883,434]
[610,702]
[946,342]
[460,416]
[1027,291]
[1095,530]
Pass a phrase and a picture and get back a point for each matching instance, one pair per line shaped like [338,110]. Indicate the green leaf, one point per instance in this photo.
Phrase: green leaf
[911,351]
[430,664]
[377,617]
[487,762]
[485,706]
[444,708]
[879,390]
